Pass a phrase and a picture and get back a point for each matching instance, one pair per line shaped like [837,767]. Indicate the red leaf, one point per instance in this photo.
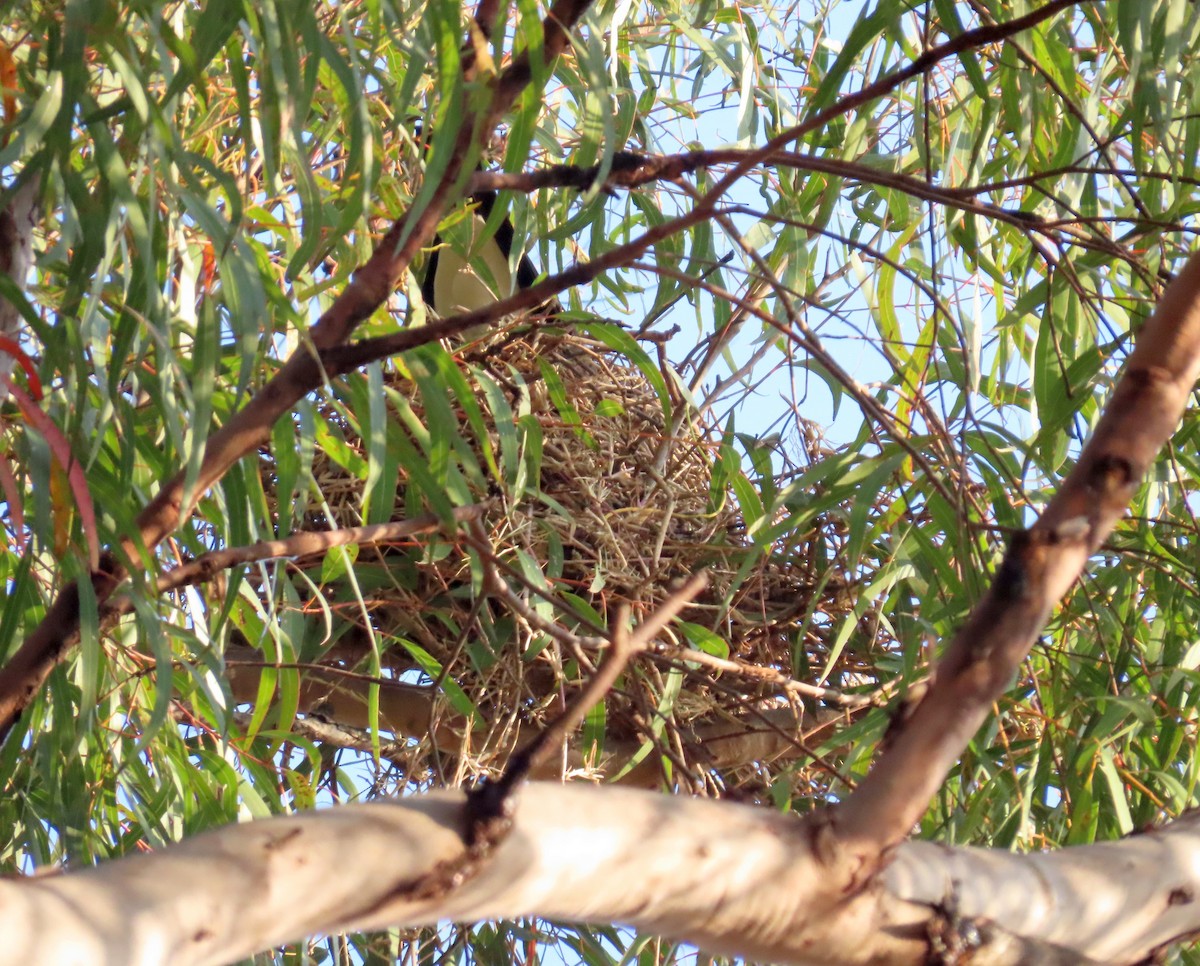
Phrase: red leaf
[14,350]
[62,452]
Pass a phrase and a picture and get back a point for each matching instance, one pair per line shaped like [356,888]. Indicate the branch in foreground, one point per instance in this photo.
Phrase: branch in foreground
[730,878]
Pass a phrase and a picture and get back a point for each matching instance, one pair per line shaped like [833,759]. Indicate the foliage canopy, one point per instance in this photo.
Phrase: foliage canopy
[838,374]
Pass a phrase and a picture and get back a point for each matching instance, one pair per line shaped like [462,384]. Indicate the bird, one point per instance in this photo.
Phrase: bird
[477,270]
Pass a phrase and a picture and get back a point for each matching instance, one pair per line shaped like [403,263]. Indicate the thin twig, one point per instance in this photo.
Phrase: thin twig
[622,648]
[830,696]
[304,543]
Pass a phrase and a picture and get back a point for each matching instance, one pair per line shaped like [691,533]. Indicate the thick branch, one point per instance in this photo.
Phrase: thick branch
[730,878]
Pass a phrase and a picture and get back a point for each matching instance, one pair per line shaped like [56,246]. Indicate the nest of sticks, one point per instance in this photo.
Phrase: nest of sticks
[595,499]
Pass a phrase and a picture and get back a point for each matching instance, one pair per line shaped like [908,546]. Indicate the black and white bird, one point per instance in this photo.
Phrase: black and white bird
[476,269]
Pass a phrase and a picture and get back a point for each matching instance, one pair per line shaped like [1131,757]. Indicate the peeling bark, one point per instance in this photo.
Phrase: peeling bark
[731,878]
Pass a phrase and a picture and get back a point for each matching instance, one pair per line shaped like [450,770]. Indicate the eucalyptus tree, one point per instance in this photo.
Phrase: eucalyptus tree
[820,468]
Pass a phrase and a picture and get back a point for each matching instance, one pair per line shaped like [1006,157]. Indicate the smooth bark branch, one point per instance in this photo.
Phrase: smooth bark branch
[1037,572]
[1112,902]
[733,879]
[22,676]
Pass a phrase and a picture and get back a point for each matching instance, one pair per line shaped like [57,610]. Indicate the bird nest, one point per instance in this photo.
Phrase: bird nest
[596,495]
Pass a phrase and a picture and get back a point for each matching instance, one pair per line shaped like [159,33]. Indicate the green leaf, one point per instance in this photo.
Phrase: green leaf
[704,640]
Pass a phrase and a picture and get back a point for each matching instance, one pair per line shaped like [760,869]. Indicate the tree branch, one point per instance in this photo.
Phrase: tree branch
[730,878]
[305,543]
[250,428]
[1041,565]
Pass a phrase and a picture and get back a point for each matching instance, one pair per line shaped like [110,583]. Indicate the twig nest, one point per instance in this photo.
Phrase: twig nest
[597,492]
